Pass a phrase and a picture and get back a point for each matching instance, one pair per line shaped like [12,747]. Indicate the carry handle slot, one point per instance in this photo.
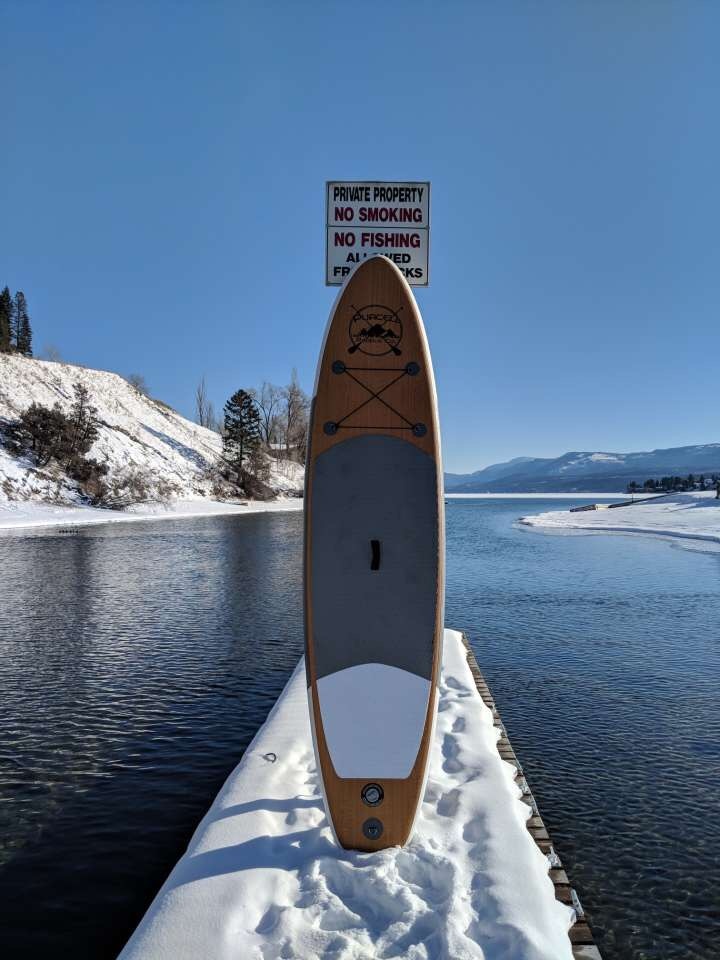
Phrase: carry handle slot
[375,554]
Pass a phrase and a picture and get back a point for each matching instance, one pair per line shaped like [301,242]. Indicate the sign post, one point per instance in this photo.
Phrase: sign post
[369,217]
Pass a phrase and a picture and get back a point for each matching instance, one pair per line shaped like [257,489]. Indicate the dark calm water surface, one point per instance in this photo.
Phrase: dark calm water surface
[137,661]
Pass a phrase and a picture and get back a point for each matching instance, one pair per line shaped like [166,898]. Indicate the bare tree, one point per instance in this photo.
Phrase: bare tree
[51,352]
[295,417]
[268,401]
[204,410]
[138,381]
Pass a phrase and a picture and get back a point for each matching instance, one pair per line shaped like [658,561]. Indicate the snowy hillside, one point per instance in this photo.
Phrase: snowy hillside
[138,436]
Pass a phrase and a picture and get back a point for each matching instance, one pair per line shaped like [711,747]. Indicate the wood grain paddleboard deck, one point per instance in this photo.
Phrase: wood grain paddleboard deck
[374,571]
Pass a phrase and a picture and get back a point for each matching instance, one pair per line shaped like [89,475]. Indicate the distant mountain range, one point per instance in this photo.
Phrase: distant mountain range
[582,471]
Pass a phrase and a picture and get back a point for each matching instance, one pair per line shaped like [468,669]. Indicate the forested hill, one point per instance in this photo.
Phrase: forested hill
[585,471]
[150,451]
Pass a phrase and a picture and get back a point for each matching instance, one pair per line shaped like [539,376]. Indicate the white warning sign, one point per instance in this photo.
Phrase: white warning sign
[365,218]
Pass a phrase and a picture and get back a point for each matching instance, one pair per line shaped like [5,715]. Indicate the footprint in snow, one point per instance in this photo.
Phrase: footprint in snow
[269,920]
[450,751]
[433,875]
[475,833]
[336,920]
[447,805]
[459,688]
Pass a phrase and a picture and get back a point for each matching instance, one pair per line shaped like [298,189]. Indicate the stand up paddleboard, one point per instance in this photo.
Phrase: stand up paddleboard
[373,559]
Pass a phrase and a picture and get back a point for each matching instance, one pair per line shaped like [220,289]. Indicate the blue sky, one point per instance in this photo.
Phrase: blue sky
[163,171]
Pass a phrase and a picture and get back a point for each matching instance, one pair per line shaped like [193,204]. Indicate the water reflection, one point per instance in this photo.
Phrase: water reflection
[137,663]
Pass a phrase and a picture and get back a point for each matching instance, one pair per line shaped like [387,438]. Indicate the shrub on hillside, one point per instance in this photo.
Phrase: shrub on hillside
[43,433]
[49,435]
[127,487]
[136,485]
[227,484]
[257,489]
[255,476]
[90,476]
[223,481]
[257,466]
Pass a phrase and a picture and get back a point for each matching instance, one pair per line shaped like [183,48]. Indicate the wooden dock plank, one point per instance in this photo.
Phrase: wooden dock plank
[580,932]
[586,952]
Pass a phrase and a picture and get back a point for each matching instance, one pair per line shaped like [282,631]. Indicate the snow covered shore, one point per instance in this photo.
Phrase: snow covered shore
[17,515]
[693,516]
[263,879]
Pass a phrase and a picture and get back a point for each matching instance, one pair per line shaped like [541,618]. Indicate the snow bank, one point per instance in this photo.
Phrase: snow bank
[694,516]
[15,516]
[263,879]
[137,434]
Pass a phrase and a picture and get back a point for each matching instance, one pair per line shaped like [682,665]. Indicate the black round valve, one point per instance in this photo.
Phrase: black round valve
[372,829]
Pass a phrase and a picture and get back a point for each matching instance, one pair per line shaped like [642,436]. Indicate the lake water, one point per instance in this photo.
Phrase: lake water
[137,661]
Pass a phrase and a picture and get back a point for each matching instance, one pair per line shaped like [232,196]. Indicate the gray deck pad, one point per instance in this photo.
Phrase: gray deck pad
[379,488]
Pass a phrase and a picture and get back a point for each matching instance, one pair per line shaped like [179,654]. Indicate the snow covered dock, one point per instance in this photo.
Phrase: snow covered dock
[690,516]
[262,877]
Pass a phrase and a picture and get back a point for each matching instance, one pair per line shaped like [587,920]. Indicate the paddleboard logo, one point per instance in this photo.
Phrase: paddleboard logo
[375,330]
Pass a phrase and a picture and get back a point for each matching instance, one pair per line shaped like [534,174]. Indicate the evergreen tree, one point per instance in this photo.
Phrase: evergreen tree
[6,310]
[25,337]
[241,436]
[84,423]
[22,331]
[13,325]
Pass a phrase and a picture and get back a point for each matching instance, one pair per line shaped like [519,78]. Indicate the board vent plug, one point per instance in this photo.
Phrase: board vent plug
[372,794]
